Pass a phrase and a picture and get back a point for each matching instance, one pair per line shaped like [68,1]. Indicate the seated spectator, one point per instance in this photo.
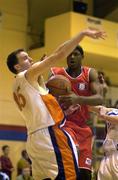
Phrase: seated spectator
[6,164]
[116,104]
[3,176]
[23,162]
[25,175]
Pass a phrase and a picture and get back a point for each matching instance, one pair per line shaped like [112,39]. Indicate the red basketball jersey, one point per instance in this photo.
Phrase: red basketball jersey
[81,87]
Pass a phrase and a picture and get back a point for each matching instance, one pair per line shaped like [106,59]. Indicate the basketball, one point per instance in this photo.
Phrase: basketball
[59,85]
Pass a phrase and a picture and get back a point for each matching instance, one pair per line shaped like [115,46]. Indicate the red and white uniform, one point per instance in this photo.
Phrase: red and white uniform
[76,122]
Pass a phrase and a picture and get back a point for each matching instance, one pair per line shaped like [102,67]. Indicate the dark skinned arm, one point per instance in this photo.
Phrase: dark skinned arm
[95,99]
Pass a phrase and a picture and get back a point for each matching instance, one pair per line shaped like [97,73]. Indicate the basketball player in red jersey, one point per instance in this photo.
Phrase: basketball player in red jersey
[86,87]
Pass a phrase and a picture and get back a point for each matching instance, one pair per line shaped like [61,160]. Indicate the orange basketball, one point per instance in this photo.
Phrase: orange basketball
[59,85]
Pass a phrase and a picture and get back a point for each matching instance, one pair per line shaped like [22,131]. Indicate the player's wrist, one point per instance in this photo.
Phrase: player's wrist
[83,33]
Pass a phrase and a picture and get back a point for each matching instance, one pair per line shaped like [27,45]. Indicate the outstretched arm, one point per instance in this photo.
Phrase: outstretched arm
[61,52]
[103,113]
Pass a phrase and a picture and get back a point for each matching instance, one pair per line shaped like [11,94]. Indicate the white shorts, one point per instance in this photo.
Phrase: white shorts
[53,153]
[109,167]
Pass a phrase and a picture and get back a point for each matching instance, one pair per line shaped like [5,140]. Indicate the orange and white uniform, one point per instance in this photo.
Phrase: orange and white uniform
[51,150]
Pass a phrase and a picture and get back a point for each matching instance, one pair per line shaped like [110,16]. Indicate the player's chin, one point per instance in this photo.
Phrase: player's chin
[73,66]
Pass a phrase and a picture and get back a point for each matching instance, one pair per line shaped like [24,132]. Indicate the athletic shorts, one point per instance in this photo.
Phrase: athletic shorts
[53,154]
[82,137]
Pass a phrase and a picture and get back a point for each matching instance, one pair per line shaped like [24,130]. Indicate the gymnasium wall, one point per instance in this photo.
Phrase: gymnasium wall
[100,54]
[13,24]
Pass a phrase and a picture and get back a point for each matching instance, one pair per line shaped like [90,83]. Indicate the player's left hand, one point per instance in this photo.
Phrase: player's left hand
[103,112]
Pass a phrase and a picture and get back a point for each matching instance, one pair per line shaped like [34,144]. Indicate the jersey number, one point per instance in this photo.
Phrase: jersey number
[19,99]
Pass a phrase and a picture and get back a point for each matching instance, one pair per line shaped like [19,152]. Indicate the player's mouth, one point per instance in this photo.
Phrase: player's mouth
[72,62]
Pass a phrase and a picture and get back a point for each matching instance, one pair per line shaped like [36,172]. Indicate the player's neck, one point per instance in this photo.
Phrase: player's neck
[74,72]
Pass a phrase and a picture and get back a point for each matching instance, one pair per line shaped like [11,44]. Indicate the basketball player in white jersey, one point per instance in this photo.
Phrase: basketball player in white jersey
[109,165]
[51,150]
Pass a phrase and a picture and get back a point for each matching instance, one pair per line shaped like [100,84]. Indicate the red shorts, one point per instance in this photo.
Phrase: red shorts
[82,137]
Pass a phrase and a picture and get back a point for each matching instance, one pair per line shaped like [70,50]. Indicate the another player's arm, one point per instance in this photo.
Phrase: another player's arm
[103,113]
[60,53]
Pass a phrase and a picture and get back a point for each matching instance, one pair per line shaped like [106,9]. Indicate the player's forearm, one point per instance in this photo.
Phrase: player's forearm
[111,119]
[66,48]
[95,109]
[93,100]
[62,52]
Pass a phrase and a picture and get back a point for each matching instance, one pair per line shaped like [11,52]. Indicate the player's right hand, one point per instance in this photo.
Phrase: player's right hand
[94,33]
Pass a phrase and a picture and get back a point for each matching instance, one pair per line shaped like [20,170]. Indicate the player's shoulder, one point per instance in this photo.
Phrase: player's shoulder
[93,74]
[57,70]
[21,74]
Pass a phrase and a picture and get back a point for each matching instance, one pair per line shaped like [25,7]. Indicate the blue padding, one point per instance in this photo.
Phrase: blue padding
[13,135]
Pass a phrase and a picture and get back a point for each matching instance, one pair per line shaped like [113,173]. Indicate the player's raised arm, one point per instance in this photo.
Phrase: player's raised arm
[62,52]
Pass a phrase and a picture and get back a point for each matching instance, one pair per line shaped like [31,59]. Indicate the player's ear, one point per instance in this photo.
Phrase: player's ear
[17,67]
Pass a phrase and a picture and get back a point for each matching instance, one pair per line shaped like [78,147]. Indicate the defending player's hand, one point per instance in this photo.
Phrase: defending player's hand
[95,34]
[103,112]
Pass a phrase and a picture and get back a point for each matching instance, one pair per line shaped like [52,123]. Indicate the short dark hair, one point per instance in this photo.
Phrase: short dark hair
[12,60]
[24,152]
[4,147]
[80,49]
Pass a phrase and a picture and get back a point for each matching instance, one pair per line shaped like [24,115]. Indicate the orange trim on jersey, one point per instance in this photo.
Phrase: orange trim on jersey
[53,107]
[66,154]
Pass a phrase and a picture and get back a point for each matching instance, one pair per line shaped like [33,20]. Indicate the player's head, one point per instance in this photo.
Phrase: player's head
[74,60]
[18,61]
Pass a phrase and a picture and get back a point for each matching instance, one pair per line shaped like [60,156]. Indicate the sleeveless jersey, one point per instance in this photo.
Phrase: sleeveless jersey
[39,110]
[81,87]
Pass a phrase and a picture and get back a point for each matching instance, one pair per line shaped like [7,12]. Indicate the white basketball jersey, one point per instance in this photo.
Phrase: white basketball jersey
[111,141]
[31,105]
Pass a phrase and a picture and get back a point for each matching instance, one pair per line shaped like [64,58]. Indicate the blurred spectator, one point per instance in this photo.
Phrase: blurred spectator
[103,82]
[3,176]
[24,162]
[6,164]
[116,104]
[25,175]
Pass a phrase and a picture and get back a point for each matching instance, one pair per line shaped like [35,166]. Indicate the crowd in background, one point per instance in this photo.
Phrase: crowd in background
[23,168]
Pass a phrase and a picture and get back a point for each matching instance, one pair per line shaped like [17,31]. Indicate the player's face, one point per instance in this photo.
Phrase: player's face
[24,60]
[74,59]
